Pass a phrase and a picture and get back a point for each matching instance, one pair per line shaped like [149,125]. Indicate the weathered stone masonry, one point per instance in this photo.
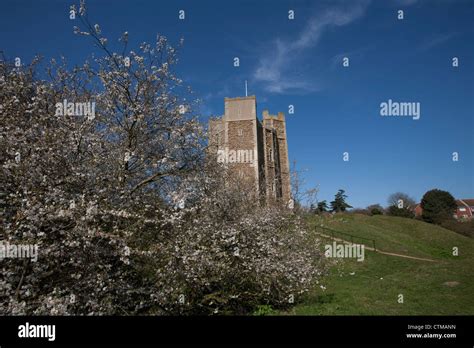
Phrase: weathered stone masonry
[240,129]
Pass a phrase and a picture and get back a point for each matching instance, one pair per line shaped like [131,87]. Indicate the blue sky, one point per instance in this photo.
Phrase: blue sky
[299,62]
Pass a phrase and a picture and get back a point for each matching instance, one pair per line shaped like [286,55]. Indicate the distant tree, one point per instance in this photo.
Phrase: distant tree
[393,210]
[298,192]
[401,204]
[375,209]
[339,203]
[401,200]
[322,206]
[438,206]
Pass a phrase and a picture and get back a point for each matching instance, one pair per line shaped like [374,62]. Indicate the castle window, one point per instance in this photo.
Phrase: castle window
[271,156]
[240,132]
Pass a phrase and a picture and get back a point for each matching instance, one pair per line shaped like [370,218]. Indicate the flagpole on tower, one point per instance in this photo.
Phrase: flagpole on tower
[246,88]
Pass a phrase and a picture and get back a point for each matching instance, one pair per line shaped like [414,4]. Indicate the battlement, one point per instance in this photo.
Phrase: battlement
[240,98]
[267,116]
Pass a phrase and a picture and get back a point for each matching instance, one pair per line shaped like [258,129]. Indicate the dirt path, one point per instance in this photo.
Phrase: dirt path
[377,251]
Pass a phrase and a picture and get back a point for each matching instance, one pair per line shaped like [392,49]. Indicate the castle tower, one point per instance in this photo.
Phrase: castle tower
[277,168]
[238,135]
[238,138]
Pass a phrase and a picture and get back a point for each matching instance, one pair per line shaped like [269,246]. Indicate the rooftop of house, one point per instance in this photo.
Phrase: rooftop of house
[469,202]
[459,203]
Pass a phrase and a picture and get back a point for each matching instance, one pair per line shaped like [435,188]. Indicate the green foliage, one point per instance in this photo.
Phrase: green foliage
[401,212]
[263,310]
[322,207]
[375,209]
[401,200]
[438,206]
[339,203]
[465,228]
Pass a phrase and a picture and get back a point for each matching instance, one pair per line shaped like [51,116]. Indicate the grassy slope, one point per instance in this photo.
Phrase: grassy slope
[374,288]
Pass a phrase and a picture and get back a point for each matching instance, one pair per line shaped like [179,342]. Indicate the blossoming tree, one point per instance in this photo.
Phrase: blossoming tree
[129,212]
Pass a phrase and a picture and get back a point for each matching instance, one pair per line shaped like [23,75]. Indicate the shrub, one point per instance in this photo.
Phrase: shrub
[438,206]
[401,200]
[233,255]
[465,228]
[359,211]
[401,212]
[375,209]
[263,310]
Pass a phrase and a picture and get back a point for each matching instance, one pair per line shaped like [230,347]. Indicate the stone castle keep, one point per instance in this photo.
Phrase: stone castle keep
[255,150]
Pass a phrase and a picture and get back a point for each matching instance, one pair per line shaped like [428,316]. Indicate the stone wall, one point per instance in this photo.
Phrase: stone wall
[240,130]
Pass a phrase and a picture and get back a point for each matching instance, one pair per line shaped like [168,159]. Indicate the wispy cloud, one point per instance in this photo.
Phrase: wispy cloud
[276,71]
[435,41]
[336,61]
